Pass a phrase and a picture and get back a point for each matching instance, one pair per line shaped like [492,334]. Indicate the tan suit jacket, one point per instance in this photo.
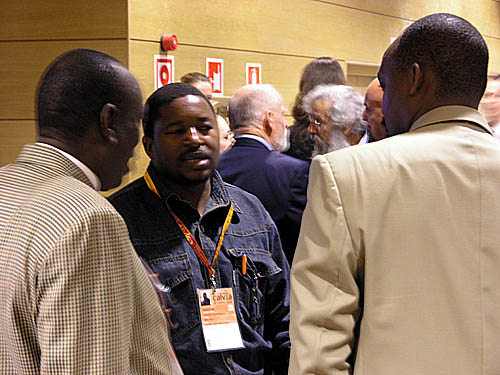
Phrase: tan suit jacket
[397,270]
[74,298]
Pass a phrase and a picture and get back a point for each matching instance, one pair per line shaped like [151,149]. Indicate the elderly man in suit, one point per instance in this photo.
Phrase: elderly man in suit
[256,115]
[397,266]
[74,297]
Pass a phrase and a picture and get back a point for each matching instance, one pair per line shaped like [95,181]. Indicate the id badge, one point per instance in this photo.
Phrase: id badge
[218,319]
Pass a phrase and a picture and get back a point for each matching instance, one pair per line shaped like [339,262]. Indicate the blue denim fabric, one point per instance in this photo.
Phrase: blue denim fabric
[261,295]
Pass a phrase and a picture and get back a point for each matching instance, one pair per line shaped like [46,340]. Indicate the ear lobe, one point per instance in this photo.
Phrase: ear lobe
[417,78]
[268,123]
[108,122]
[148,147]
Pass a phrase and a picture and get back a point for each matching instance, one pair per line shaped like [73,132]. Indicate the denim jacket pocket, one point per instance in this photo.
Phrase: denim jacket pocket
[176,275]
[250,281]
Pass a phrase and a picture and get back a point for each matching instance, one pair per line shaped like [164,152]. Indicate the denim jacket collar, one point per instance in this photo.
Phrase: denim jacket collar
[219,196]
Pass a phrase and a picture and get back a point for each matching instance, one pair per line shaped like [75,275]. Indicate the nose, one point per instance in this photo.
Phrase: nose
[193,136]
[311,128]
[365,115]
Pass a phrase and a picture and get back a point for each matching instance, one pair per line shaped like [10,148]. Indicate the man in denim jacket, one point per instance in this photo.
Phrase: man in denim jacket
[181,183]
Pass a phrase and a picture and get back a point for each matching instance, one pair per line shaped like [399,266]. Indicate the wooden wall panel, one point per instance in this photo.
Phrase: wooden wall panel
[13,135]
[348,30]
[484,15]
[62,19]
[294,27]
[21,71]
[280,70]
[494,48]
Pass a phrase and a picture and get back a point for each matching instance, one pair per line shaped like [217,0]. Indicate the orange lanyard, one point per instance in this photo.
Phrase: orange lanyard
[190,238]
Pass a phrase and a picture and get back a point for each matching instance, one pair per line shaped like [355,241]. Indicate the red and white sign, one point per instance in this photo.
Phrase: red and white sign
[164,70]
[215,72]
[254,73]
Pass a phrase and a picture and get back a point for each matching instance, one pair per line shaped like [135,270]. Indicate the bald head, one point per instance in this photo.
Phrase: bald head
[250,103]
[259,110]
[373,110]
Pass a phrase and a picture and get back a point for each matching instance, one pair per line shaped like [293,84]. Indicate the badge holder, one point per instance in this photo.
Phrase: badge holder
[218,320]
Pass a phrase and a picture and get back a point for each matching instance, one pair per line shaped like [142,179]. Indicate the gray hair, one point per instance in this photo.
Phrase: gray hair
[250,103]
[346,105]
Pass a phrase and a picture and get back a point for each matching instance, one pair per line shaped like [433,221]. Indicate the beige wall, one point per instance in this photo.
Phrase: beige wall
[281,35]
[33,33]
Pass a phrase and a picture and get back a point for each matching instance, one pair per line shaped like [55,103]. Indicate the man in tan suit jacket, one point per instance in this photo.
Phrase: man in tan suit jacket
[397,270]
[74,298]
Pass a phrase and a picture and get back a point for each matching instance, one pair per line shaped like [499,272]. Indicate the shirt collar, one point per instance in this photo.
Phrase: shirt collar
[451,113]
[86,170]
[363,139]
[258,139]
[219,196]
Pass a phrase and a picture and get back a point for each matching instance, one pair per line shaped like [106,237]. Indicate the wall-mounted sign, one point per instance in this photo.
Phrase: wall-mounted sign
[254,73]
[215,72]
[164,70]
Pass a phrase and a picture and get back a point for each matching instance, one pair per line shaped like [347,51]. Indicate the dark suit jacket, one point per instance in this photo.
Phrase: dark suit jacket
[279,181]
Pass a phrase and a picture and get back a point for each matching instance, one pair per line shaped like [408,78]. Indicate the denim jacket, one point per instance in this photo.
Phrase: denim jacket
[261,293]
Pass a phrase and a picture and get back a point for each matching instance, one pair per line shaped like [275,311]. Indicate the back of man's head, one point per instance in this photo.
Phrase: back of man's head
[250,103]
[73,90]
[194,77]
[451,48]
[321,71]
[163,96]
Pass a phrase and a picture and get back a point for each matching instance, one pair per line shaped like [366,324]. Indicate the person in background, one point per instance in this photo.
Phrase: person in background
[200,81]
[335,114]
[490,105]
[257,116]
[396,270]
[321,71]
[226,136]
[201,235]
[74,297]
[373,111]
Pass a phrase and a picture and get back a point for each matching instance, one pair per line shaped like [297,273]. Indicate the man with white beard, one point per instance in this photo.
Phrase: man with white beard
[336,117]
[257,118]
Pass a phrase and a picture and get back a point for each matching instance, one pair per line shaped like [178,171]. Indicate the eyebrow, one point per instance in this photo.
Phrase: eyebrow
[180,122]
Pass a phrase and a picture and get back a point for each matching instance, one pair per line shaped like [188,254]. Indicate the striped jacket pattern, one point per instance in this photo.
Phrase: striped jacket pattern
[74,298]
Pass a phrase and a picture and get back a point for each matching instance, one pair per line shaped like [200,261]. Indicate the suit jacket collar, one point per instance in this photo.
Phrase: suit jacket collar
[249,142]
[51,159]
[452,113]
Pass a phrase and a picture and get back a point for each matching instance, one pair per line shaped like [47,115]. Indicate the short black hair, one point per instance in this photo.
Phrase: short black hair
[165,95]
[73,90]
[194,77]
[452,48]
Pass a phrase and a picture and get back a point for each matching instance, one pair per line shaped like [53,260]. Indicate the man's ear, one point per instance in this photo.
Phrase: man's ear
[108,122]
[268,123]
[148,146]
[417,78]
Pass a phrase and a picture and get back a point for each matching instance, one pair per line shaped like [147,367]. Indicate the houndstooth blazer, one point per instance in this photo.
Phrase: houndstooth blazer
[74,297]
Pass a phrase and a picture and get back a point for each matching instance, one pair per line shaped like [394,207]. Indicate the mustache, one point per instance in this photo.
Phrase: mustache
[198,154]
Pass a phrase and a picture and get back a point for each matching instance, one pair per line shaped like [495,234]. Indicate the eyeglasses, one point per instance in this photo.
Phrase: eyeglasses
[317,122]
